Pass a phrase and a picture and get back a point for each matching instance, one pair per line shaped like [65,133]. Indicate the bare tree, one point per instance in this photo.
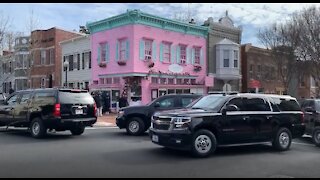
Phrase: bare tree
[4,26]
[282,40]
[33,21]
[186,15]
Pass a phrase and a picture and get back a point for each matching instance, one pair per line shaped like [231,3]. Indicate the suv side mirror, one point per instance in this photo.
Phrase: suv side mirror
[157,104]
[310,109]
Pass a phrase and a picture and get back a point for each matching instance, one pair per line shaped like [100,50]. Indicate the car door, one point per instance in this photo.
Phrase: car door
[7,110]
[235,125]
[21,108]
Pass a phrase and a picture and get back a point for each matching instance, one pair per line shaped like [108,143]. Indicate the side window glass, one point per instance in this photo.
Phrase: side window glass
[312,105]
[238,102]
[12,100]
[256,104]
[25,98]
[44,97]
[186,101]
[167,103]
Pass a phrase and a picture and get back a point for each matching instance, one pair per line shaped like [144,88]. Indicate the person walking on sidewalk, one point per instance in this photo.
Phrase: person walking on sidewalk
[97,99]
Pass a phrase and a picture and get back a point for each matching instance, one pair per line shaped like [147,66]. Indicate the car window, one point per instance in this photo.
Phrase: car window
[286,104]
[25,97]
[12,100]
[238,102]
[167,103]
[185,101]
[45,96]
[256,104]
[74,97]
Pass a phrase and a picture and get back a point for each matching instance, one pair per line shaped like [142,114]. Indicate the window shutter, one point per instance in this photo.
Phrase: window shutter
[201,56]
[127,50]
[99,55]
[154,51]
[192,56]
[117,51]
[178,55]
[161,52]
[107,53]
[172,56]
[141,49]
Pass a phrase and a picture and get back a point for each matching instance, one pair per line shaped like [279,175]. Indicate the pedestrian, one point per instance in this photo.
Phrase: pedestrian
[123,101]
[97,99]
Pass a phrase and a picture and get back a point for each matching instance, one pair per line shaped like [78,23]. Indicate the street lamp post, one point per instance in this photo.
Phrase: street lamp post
[65,65]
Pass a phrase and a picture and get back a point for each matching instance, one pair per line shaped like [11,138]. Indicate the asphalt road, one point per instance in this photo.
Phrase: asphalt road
[109,152]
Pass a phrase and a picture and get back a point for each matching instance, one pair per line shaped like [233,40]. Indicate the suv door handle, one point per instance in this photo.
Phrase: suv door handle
[245,117]
[268,117]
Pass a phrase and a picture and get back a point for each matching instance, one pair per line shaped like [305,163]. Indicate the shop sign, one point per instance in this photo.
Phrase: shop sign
[175,68]
[168,73]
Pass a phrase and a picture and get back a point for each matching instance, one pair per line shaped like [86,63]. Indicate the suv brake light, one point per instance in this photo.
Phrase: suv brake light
[56,111]
[95,109]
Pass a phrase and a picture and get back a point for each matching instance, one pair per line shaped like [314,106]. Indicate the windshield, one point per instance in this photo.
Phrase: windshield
[208,102]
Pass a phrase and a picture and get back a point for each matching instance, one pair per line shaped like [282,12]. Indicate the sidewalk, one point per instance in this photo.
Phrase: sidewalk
[107,120]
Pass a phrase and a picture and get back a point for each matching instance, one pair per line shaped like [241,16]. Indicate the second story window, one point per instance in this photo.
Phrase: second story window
[43,57]
[70,62]
[236,57]
[103,51]
[122,50]
[51,56]
[183,54]
[251,71]
[197,55]
[166,52]
[10,67]
[225,58]
[147,49]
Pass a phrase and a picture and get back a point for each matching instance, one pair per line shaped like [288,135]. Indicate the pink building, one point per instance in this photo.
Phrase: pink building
[146,56]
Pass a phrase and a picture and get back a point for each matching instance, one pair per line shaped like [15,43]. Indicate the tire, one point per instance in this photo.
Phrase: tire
[135,126]
[204,143]
[316,136]
[37,128]
[282,140]
[77,130]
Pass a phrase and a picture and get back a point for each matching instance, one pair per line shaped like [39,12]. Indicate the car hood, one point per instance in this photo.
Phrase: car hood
[185,112]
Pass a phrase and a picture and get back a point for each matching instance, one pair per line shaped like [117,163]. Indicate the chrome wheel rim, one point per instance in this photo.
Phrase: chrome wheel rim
[317,136]
[203,144]
[134,126]
[36,128]
[284,139]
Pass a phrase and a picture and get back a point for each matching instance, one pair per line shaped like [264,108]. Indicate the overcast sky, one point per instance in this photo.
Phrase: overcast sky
[251,16]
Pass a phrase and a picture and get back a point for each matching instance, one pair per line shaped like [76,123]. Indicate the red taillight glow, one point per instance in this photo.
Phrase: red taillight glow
[95,109]
[56,111]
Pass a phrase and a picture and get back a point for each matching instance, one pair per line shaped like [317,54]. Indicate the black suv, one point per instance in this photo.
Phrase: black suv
[43,109]
[311,109]
[137,119]
[215,120]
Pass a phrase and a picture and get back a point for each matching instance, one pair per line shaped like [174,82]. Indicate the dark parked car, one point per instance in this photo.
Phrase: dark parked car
[311,109]
[43,109]
[216,120]
[137,119]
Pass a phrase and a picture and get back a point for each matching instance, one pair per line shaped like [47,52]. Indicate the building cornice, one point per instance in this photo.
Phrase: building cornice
[138,17]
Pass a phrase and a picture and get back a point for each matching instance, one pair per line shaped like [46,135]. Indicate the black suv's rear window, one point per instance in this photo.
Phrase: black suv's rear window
[75,97]
[286,104]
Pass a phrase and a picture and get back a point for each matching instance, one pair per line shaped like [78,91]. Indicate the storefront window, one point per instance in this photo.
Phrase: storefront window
[179,91]
[163,81]
[171,91]
[116,80]
[179,81]
[108,80]
[154,80]
[186,81]
[101,80]
[170,81]
[193,81]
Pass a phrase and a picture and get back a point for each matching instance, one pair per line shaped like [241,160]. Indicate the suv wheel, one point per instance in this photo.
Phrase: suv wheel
[135,126]
[37,128]
[316,136]
[76,131]
[203,143]
[282,140]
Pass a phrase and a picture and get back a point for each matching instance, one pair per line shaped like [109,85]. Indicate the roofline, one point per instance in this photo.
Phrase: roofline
[75,39]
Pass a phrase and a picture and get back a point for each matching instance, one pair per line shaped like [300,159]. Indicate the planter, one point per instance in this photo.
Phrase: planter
[197,68]
[103,64]
[122,63]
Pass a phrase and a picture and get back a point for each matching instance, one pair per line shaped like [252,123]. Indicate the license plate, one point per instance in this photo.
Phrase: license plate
[155,138]
[79,111]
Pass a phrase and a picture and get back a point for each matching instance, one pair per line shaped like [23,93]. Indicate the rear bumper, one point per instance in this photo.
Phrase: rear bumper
[59,123]
[298,130]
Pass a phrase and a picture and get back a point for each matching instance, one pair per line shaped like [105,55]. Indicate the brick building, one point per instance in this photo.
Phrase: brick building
[45,50]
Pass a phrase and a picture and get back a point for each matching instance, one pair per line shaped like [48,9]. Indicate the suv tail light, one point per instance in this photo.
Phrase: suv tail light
[56,111]
[95,109]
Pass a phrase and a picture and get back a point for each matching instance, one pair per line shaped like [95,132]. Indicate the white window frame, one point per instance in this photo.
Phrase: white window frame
[236,59]
[197,55]
[43,57]
[226,58]
[166,52]
[122,49]
[148,49]
[103,52]
[183,54]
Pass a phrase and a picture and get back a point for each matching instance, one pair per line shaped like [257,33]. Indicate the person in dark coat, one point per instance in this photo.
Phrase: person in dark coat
[123,101]
[97,99]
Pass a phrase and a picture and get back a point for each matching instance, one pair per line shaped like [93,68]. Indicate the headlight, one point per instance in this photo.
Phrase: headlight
[181,122]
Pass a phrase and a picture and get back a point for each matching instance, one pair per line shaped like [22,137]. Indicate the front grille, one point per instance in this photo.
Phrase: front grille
[161,123]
